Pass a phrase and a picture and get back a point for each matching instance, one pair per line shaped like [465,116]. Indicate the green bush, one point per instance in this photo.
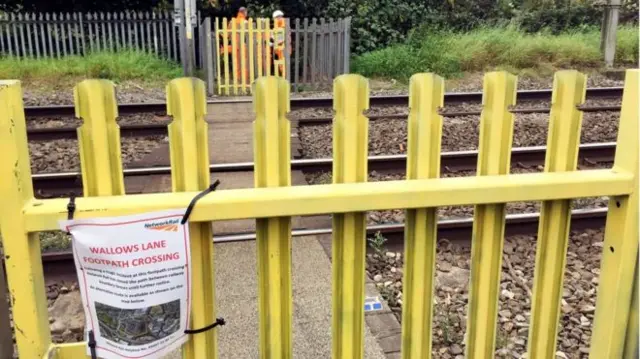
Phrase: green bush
[380,23]
[560,18]
[120,66]
[450,53]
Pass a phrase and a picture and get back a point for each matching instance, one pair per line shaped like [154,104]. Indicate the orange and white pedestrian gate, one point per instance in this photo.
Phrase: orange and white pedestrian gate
[274,201]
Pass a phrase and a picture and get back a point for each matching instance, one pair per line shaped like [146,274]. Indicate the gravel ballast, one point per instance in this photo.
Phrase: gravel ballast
[471,82]
[389,136]
[122,120]
[62,155]
[514,309]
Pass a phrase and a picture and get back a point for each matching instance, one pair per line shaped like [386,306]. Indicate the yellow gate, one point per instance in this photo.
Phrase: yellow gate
[274,201]
[244,53]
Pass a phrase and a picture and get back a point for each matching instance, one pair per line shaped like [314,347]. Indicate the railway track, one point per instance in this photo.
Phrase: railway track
[160,128]
[449,114]
[51,184]
[59,265]
[70,133]
[306,102]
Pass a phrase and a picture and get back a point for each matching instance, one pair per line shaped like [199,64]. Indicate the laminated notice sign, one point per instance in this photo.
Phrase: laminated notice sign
[133,274]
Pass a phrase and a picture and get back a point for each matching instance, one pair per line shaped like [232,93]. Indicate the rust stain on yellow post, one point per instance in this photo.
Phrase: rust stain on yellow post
[190,172]
[426,96]
[565,121]
[272,154]
[494,158]
[21,250]
[350,127]
[620,250]
[99,138]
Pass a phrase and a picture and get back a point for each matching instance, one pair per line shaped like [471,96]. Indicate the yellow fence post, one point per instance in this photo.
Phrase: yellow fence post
[426,95]
[494,158]
[350,144]
[99,138]
[225,47]
[267,48]
[565,121]
[620,248]
[631,340]
[251,44]
[243,61]
[272,154]
[189,152]
[220,50]
[234,54]
[259,45]
[21,249]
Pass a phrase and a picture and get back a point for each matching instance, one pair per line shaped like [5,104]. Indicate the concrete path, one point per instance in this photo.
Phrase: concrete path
[231,140]
[237,301]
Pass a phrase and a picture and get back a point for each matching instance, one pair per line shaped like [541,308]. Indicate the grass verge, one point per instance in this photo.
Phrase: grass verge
[120,66]
[451,54]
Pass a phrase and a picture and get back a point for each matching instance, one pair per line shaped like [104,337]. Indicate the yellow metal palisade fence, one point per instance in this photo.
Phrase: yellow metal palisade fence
[312,55]
[245,51]
[274,201]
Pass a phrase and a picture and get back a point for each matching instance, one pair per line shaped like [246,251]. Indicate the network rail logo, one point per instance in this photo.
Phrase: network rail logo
[169,225]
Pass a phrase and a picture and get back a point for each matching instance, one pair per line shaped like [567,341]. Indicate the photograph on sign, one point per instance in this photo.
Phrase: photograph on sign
[134,279]
[143,325]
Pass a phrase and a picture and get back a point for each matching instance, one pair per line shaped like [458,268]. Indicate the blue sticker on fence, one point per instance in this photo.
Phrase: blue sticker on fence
[372,303]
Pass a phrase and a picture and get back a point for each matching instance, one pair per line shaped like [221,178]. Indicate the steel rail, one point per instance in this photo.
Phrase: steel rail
[310,121]
[70,133]
[450,161]
[160,128]
[306,102]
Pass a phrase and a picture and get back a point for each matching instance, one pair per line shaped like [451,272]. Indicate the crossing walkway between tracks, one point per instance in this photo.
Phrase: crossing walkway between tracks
[236,277]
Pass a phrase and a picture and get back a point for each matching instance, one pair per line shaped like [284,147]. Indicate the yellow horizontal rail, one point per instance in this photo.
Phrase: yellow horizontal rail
[43,215]
[67,351]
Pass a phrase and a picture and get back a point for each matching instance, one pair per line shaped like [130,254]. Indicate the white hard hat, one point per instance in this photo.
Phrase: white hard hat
[277,13]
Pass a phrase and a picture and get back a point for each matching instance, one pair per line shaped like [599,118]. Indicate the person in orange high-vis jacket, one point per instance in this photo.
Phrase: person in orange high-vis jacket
[237,23]
[278,43]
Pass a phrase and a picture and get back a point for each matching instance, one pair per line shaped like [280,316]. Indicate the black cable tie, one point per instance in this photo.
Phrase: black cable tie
[71,208]
[219,321]
[92,345]
[195,199]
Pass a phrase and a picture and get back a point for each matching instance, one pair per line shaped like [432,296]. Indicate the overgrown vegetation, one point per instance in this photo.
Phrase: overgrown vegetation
[379,23]
[120,66]
[450,53]
[377,243]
